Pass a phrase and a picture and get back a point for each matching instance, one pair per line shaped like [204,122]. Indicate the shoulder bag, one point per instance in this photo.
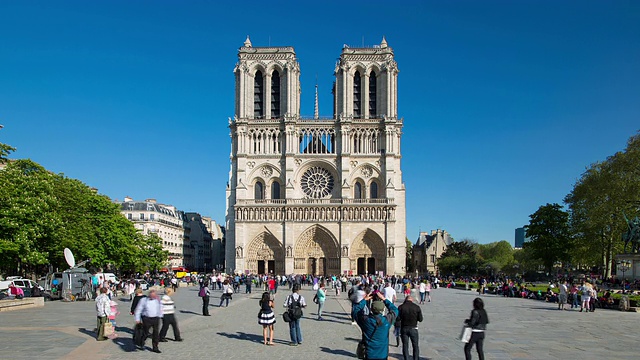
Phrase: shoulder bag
[361,350]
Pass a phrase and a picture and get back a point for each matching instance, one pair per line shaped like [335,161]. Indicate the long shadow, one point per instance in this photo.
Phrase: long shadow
[124,330]
[87,332]
[352,339]
[243,336]
[189,312]
[543,308]
[125,343]
[337,352]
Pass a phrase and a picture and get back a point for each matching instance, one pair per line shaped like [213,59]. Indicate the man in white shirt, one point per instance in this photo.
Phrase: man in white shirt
[562,298]
[148,313]
[389,293]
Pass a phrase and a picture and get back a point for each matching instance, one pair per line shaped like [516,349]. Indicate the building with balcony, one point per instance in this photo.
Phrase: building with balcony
[314,195]
[428,248]
[164,220]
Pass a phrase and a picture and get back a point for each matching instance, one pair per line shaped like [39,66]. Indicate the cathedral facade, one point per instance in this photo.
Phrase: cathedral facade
[315,195]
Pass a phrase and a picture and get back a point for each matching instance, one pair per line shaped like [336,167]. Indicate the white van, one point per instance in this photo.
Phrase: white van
[102,277]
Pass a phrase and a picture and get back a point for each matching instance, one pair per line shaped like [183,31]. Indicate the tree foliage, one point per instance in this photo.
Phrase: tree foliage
[409,256]
[549,233]
[41,213]
[605,192]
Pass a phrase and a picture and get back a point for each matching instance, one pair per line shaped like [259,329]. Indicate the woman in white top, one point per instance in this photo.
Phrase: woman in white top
[423,290]
[586,296]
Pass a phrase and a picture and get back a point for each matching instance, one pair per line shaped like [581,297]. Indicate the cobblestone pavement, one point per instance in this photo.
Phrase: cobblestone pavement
[519,329]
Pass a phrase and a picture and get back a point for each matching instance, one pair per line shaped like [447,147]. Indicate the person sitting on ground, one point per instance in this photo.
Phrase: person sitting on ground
[15,291]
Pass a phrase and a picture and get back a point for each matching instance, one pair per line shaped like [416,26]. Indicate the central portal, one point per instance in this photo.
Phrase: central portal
[316,253]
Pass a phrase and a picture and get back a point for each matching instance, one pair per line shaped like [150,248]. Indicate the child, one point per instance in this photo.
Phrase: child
[112,317]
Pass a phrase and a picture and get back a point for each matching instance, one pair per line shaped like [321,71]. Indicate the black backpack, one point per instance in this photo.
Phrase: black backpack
[295,308]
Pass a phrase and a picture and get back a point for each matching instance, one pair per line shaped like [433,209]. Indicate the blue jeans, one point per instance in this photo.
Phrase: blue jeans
[410,334]
[320,307]
[295,332]
[422,295]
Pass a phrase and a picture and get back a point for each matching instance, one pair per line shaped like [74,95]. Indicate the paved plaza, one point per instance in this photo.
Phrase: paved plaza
[518,329]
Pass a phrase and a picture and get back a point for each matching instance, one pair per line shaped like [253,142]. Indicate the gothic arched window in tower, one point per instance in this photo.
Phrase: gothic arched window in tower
[357,190]
[258,95]
[372,96]
[259,190]
[373,190]
[275,190]
[275,94]
[357,95]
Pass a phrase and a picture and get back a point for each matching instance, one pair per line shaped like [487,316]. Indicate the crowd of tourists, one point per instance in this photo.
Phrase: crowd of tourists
[379,304]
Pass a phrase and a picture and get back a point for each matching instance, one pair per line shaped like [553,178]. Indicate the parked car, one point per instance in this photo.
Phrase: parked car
[25,284]
[144,285]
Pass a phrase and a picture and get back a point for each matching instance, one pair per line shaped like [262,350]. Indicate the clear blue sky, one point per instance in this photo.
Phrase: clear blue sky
[505,103]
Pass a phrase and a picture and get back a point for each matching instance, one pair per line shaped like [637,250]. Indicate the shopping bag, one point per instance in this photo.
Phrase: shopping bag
[107,329]
[465,335]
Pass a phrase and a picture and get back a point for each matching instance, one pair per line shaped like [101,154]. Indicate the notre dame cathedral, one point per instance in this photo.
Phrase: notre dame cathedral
[315,195]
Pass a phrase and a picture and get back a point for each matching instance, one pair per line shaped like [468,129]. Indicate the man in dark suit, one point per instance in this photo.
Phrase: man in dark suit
[410,315]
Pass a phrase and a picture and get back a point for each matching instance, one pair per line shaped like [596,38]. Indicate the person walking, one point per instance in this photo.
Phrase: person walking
[410,315]
[169,318]
[390,293]
[375,327]
[148,313]
[294,303]
[428,290]
[103,310]
[423,291]
[204,294]
[227,293]
[586,296]
[267,318]
[478,323]
[562,297]
[321,296]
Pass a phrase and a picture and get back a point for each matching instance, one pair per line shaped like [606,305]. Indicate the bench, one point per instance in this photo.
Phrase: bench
[19,304]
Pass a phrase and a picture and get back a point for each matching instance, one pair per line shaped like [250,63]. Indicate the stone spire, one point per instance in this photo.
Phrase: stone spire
[315,108]
[247,43]
[383,44]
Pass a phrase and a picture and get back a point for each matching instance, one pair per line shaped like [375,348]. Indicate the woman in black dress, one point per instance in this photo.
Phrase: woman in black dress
[267,318]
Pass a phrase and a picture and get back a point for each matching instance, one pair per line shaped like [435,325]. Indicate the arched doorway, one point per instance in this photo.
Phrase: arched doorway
[265,255]
[317,252]
[368,253]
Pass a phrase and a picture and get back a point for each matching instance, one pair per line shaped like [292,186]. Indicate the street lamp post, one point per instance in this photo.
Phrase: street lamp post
[624,265]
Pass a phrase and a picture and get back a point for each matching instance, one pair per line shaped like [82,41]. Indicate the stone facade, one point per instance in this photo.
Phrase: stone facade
[315,195]
[428,249]
[167,222]
[206,243]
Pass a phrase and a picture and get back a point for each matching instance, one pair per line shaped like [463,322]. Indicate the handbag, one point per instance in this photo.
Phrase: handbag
[361,350]
[465,335]
[107,329]
[138,335]
[286,317]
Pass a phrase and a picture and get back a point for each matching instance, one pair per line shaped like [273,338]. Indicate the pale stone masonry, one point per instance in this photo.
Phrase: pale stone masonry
[315,195]
[427,250]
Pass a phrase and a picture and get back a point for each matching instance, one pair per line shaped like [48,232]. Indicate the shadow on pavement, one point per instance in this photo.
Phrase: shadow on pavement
[243,336]
[124,330]
[87,332]
[125,343]
[189,312]
[352,339]
[337,352]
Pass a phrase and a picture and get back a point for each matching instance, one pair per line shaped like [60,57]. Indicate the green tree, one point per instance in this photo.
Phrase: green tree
[549,233]
[5,150]
[458,258]
[28,220]
[597,202]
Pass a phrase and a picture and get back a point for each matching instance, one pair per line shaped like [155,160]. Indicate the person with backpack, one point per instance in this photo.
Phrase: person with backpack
[204,294]
[294,304]
[375,327]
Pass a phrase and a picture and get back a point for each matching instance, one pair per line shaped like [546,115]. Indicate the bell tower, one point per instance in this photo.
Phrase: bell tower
[366,83]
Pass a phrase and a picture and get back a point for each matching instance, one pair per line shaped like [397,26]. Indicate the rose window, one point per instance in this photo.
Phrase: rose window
[317,182]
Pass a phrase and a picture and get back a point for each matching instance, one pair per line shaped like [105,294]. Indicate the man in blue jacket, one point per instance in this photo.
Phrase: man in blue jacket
[375,327]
